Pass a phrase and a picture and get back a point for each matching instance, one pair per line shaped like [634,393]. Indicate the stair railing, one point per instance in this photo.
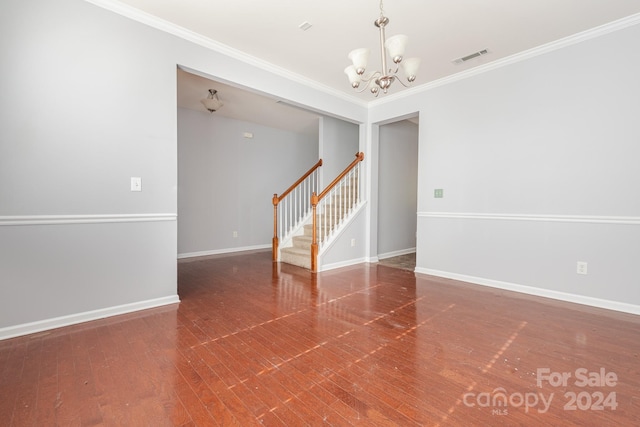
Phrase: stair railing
[294,206]
[333,205]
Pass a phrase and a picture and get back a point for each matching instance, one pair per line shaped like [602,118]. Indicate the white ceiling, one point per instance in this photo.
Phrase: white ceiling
[439,31]
[240,104]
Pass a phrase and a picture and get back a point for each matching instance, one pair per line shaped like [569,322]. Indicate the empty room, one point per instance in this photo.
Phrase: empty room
[340,213]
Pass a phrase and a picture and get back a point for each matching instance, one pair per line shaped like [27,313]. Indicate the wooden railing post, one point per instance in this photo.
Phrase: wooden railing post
[314,236]
[274,243]
[315,200]
[277,199]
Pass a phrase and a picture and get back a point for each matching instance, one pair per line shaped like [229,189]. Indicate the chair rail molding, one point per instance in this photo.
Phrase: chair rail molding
[84,219]
[596,219]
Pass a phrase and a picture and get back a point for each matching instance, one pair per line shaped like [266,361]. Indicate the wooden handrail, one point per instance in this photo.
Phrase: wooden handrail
[316,198]
[359,158]
[277,199]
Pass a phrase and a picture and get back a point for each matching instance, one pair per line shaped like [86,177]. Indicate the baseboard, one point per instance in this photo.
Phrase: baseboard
[396,253]
[341,264]
[223,251]
[58,322]
[530,290]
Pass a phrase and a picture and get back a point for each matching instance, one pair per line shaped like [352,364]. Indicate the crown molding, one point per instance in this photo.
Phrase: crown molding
[170,28]
[185,34]
[592,33]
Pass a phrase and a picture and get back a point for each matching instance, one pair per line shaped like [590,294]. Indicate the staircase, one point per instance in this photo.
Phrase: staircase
[300,253]
[330,209]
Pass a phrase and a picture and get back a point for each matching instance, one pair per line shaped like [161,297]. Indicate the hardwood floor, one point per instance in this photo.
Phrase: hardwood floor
[254,342]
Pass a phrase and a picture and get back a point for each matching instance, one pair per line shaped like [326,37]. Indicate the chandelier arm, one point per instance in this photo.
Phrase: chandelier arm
[402,83]
[367,81]
[371,77]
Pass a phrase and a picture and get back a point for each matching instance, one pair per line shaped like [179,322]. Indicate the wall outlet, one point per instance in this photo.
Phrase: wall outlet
[581,267]
[353,242]
[235,234]
[438,193]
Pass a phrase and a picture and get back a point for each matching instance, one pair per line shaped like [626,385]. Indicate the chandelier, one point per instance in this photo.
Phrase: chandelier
[383,79]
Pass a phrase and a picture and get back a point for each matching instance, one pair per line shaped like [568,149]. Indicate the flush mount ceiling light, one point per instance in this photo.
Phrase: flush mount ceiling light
[382,79]
[212,102]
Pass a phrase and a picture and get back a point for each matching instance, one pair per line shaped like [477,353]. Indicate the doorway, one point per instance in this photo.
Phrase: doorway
[398,192]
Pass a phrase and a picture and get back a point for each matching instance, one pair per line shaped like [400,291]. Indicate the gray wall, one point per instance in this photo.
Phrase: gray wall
[81,115]
[338,146]
[539,165]
[339,143]
[226,181]
[538,161]
[397,188]
[89,101]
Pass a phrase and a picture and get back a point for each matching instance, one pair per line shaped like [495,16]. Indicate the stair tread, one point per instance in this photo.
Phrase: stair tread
[296,250]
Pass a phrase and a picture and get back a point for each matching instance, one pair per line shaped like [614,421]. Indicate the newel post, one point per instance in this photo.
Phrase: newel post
[274,243]
[314,239]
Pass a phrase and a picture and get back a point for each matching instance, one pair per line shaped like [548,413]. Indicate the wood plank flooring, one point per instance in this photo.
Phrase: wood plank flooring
[257,343]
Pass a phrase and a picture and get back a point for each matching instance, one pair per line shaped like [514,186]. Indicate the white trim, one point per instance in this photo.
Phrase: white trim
[188,35]
[628,220]
[341,264]
[520,56]
[222,251]
[72,319]
[530,290]
[396,253]
[339,230]
[84,219]
[171,28]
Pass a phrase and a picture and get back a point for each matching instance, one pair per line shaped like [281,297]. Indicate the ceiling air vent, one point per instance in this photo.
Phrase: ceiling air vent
[470,56]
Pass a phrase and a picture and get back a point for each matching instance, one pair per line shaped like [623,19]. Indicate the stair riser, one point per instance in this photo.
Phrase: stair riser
[299,260]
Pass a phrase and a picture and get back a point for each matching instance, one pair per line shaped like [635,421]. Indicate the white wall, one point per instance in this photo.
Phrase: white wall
[397,188]
[539,165]
[226,181]
[88,101]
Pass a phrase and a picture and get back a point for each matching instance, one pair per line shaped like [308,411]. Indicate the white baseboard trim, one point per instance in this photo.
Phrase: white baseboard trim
[222,251]
[397,253]
[530,290]
[341,264]
[72,319]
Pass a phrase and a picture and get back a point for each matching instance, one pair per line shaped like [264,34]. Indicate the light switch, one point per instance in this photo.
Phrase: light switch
[136,183]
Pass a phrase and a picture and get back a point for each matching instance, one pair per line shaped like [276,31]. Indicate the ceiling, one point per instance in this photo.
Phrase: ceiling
[439,32]
[240,104]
